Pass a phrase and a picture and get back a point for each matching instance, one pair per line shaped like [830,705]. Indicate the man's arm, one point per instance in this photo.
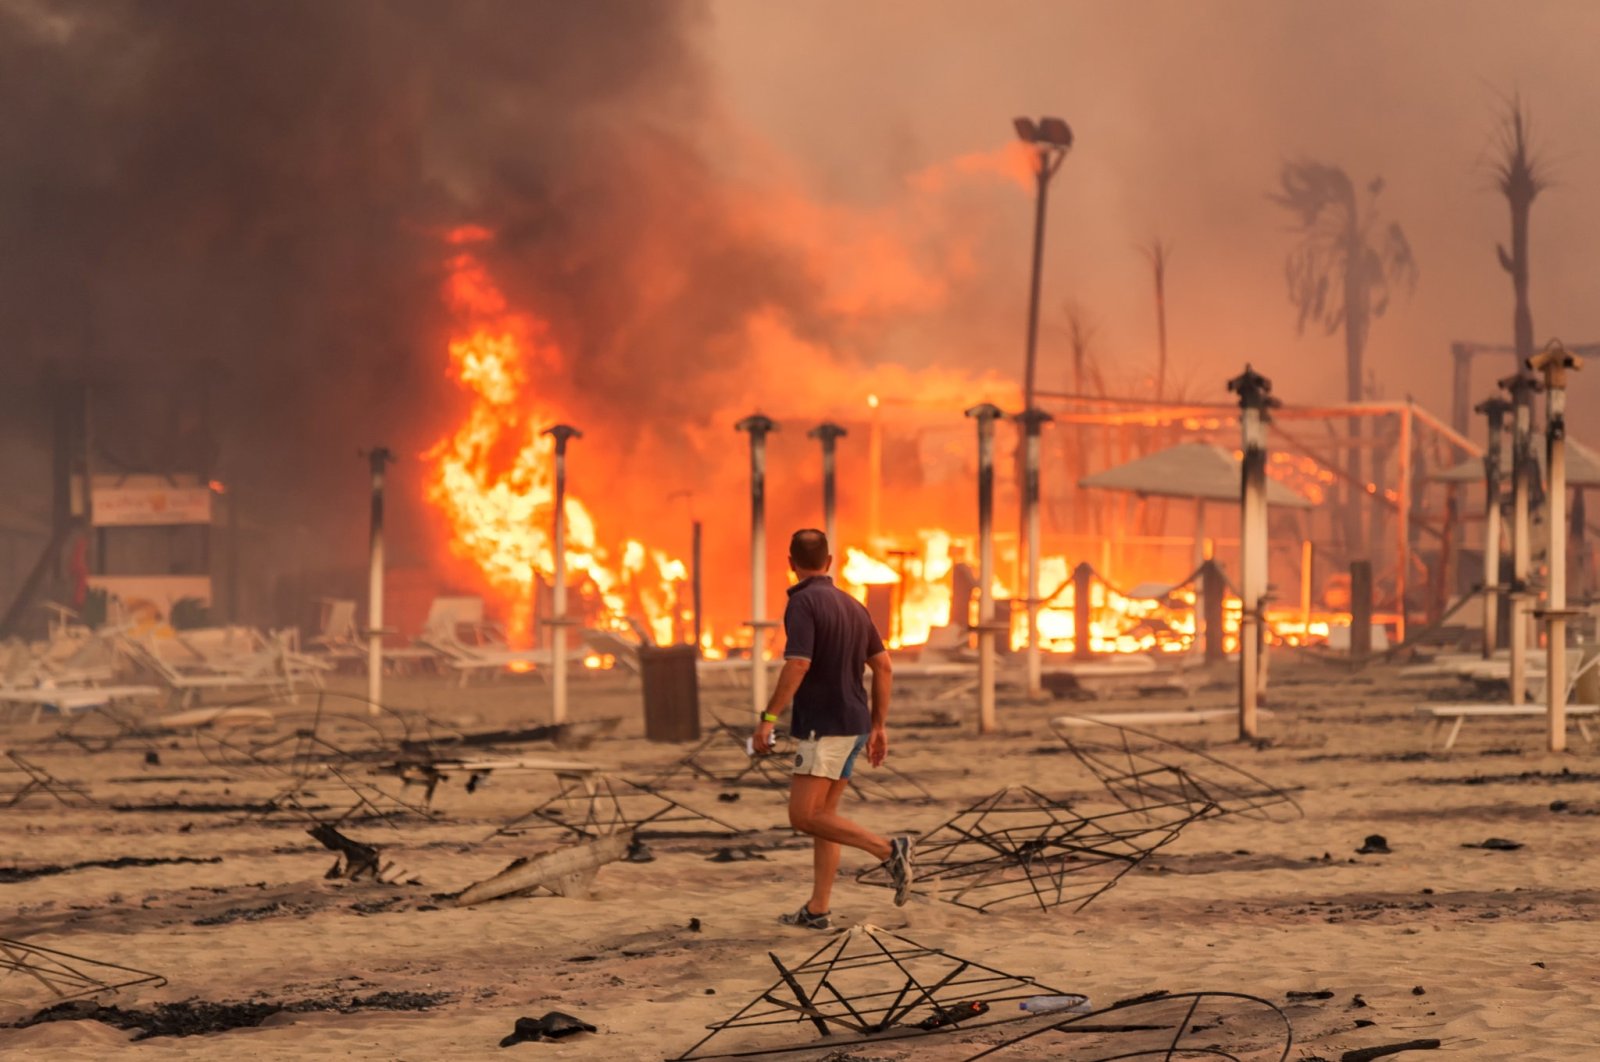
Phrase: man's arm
[882,680]
[794,670]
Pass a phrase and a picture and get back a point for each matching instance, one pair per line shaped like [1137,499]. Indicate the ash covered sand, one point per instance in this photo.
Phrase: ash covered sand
[1492,952]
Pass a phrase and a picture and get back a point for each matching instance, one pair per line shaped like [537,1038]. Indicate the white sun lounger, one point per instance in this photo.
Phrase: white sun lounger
[1458,714]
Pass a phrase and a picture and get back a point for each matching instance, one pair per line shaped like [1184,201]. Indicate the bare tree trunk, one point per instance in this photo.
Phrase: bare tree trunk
[1521,179]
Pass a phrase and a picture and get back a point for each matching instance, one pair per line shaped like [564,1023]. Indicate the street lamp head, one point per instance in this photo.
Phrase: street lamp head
[1055,132]
[1026,129]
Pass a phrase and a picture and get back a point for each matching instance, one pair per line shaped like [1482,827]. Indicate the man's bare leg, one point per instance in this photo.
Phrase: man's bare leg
[825,856]
[811,812]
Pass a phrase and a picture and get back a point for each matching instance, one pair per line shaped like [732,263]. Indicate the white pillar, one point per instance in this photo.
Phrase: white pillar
[1554,362]
[379,457]
[1032,420]
[1255,398]
[558,596]
[985,415]
[758,426]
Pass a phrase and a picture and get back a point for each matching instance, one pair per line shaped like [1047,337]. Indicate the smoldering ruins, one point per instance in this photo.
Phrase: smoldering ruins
[405,407]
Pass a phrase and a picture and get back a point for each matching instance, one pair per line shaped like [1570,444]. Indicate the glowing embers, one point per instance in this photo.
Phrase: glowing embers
[1021,846]
[590,807]
[1124,760]
[1161,1027]
[868,985]
[62,974]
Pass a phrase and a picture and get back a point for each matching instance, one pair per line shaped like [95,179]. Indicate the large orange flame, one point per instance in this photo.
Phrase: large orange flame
[493,478]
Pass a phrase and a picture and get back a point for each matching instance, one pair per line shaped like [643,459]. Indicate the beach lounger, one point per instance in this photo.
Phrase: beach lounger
[457,631]
[1460,713]
[1580,676]
[1146,719]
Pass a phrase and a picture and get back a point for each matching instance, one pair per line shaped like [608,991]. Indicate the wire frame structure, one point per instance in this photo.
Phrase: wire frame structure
[1159,1026]
[868,985]
[32,779]
[1019,845]
[1139,768]
[720,757]
[369,803]
[62,974]
[589,806]
[299,742]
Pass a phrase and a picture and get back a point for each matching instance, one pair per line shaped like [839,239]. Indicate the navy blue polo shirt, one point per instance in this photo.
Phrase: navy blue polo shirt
[831,629]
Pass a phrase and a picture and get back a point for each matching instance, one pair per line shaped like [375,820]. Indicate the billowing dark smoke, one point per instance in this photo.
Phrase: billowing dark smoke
[230,218]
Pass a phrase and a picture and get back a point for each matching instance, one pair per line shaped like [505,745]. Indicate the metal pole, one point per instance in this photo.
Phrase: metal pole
[1307,557]
[1554,362]
[378,457]
[874,474]
[828,433]
[1403,528]
[694,560]
[558,622]
[1522,387]
[1255,399]
[1031,421]
[986,415]
[758,426]
[1044,169]
[1495,409]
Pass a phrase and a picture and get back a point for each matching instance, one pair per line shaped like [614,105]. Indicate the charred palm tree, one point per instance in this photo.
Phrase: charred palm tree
[1340,277]
[1521,178]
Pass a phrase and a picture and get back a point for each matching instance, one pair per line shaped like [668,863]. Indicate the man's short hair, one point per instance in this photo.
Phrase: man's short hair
[808,548]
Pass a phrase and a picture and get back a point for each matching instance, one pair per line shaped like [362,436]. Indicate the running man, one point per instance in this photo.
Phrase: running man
[830,640]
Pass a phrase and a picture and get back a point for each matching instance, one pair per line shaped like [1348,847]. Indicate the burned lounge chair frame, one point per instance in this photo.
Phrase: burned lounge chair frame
[1021,845]
[1173,773]
[869,985]
[65,975]
[591,806]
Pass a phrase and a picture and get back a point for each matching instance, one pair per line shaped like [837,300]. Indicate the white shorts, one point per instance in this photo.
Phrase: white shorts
[831,756]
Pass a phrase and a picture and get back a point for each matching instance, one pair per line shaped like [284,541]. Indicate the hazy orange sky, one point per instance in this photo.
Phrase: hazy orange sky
[1184,113]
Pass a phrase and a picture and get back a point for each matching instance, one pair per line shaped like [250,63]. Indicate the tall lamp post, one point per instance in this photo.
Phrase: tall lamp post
[1050,139]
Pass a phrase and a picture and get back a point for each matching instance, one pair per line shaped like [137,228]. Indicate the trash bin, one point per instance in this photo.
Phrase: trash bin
[671,692]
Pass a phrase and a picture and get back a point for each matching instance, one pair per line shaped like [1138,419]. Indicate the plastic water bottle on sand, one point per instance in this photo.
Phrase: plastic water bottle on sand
[1056,1005]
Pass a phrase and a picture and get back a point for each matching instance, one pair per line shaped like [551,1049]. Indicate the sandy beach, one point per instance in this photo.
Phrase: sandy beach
[1489,950]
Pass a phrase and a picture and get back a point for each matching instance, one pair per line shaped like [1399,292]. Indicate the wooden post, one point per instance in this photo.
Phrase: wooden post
[1213,589]
[1522,387]
[1360,609]
[1554,362]
[1082,616]
[986,415]
[1255,399]
[1494,409]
